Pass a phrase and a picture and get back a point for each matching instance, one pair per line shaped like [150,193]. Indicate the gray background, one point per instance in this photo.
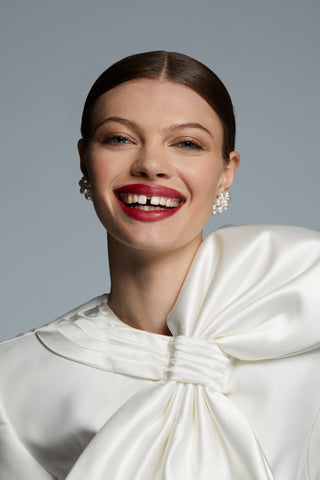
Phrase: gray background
[53,250]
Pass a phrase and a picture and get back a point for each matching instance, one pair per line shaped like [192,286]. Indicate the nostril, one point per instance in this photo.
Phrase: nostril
[150,166]
[148,173]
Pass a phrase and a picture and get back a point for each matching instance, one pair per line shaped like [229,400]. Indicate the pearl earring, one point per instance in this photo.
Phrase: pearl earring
[86,188]
[222,203]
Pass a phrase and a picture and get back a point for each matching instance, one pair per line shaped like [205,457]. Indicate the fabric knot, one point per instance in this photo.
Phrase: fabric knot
[197,361]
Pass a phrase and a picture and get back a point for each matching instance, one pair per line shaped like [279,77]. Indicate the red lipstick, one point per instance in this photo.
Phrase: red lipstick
[150,190]
[149,203]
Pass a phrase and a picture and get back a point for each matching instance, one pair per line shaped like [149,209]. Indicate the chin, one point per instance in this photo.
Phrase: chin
[147,244]
[153,242]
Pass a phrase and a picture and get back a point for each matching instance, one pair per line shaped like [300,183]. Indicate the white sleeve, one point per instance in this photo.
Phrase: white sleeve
[314,450]
[16,463]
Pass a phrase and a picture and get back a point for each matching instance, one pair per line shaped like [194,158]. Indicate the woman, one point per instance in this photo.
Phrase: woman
[202,361]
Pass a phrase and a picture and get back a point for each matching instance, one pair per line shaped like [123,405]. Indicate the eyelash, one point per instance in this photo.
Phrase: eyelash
[116,140]
[189,145]
[122,140]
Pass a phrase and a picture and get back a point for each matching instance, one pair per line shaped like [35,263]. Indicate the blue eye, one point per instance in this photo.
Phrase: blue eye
[189,145]
[116,140]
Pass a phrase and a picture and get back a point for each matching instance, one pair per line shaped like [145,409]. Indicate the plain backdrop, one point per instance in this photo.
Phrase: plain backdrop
[53,250]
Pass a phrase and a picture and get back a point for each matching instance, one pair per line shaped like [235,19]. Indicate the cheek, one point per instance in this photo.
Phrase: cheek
[100,171]
[204,181]
[99,176]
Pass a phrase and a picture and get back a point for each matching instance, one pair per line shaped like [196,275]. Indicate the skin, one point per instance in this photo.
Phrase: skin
[150,144]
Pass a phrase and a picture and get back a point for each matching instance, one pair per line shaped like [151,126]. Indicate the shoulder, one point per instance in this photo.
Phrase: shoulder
[263,262]
[272,241]
[292,232]
[29,370]
[31,379]
[26,351]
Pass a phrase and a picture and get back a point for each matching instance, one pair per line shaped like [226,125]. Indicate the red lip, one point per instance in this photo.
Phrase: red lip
[149,191]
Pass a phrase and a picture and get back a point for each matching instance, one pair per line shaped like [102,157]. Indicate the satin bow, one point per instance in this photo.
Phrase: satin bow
[242,301]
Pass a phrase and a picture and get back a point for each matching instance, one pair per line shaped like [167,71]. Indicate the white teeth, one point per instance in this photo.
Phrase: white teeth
[132,198]
[142,199]
[146,208]
[154,200]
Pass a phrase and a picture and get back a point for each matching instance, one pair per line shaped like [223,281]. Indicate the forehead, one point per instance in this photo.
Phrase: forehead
[158,102]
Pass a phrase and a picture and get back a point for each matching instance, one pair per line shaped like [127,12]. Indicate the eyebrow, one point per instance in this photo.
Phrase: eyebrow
[181,126]
[124,121]
[171,128]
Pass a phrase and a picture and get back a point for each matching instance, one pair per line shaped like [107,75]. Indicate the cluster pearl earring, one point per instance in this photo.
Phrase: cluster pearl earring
[85,188]
[222,203]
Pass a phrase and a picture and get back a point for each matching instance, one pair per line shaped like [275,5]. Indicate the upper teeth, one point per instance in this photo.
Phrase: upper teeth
[142,200]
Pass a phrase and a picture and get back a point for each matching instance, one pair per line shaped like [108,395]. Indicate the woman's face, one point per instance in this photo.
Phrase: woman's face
[155,163]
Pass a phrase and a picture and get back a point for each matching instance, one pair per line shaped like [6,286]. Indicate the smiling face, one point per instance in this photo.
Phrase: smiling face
[155,163]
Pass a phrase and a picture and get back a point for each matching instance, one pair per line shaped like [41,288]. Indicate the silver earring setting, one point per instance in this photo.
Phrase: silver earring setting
[222,203]
[86,188]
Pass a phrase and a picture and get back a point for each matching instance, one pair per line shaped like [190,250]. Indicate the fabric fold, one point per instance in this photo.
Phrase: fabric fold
[233,307]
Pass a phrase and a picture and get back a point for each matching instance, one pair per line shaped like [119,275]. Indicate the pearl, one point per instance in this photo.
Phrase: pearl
[222,203]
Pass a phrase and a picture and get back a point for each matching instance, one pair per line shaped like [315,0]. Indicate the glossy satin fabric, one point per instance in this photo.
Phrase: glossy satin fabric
[233,394]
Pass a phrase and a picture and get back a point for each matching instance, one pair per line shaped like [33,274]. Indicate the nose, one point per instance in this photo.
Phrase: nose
[152,162]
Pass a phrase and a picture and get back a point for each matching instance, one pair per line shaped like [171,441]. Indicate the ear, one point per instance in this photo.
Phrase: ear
[83,158]
[229,172]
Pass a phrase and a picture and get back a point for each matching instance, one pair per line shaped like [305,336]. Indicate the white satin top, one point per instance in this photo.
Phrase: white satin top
[234,394]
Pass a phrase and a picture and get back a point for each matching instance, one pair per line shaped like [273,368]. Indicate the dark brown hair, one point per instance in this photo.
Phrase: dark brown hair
[172,66]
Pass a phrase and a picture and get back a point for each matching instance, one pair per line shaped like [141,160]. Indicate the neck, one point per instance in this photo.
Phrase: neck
[145,285]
